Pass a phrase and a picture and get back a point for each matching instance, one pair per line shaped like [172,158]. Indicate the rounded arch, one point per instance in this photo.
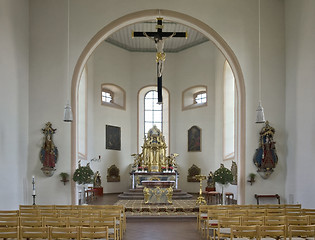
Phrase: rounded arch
[192,22]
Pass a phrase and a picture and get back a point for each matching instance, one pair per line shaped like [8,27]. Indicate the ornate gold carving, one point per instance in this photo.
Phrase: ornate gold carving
[113,174]
[155,179]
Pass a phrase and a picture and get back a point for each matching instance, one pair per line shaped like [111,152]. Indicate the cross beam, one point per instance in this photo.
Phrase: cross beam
[159,32]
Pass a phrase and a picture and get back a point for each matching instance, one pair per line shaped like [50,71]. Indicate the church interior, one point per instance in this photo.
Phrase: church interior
[167,103]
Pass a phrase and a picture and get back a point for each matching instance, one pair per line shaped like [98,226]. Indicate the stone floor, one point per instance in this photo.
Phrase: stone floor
[155,227]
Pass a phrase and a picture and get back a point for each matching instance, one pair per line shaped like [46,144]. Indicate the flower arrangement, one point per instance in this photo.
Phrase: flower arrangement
[223,175]
[83,174]
[163,169]
[139,168]
[170,168]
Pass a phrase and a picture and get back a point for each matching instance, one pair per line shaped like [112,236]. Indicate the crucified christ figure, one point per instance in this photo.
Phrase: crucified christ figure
[160,54]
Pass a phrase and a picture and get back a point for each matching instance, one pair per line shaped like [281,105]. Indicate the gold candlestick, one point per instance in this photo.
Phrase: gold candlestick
[201,199]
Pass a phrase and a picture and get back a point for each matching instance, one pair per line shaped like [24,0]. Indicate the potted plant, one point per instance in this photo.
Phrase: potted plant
[252,177]
[83,174]
[64,177]
[223,176]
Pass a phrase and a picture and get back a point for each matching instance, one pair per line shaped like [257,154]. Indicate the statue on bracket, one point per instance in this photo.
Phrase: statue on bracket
[49,152]
[113,174]
[265,157]
[234,173]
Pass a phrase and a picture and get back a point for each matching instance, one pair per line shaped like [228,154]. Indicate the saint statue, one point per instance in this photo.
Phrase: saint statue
[97,179]
[210,181]
[49,152]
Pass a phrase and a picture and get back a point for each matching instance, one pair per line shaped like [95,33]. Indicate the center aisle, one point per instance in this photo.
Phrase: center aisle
[162,229]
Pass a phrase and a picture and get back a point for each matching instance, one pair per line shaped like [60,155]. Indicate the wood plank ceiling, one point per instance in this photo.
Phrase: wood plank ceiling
[123,37]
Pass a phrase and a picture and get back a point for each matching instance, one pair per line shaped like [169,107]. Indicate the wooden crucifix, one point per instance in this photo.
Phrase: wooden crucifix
[159,38]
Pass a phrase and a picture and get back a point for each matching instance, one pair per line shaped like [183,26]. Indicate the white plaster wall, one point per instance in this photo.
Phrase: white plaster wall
[273,99]
[49,92]
[236,21]
[14,64]
[300,114]
[194,66]
[111,65]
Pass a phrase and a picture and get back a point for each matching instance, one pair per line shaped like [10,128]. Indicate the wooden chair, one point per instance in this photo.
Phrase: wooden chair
[297,220]
[308,211]
[211,224]
[31,221]
[275,212]
[29,213]
[311,219]
[9,232]
[34,232]
[23,207]
[293,206]
[69,213]
[55,222]
[245,232]
[305,232]
[202,215]
[91,213]
[293,211]
[64,233]
[109,222]
[63,207]
[275,232]
[78,222]
[256,212]
[45,207]
[252,221]
[48,213]
[224,226]
[237,213]
[9,213]
[117,214]
[274,220]
[9,222]
[94,233]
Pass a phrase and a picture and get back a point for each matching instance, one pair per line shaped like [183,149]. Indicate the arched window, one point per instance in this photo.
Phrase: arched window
[200,97]
[153,112]
[229,113]
[107,96]
[194,97]
[82,116]
[150,113]
[113,96]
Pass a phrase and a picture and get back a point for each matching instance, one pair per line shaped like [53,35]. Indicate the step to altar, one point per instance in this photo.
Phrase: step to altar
[138,194]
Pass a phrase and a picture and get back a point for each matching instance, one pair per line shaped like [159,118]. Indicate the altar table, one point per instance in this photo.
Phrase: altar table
[158,192]
[138,177]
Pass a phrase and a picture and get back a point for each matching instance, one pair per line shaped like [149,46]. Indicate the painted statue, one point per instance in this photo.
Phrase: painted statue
[265,157]
[49,152]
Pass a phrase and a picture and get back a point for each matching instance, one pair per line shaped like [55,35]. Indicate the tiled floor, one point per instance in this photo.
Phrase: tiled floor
[161,229]
[157,228]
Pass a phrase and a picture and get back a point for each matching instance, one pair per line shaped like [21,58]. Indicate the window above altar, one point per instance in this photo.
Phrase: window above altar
[150,113]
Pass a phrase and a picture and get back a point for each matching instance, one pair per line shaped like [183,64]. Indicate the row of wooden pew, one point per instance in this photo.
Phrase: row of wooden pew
[68,216]
[55,233]
[217,221]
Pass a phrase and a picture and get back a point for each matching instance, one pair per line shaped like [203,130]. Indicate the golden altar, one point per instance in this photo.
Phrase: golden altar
[153,171]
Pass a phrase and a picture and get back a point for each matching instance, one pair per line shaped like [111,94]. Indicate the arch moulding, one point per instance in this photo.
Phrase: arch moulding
[192,22]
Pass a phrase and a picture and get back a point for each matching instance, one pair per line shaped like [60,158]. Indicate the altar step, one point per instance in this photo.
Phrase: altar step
[133,194]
